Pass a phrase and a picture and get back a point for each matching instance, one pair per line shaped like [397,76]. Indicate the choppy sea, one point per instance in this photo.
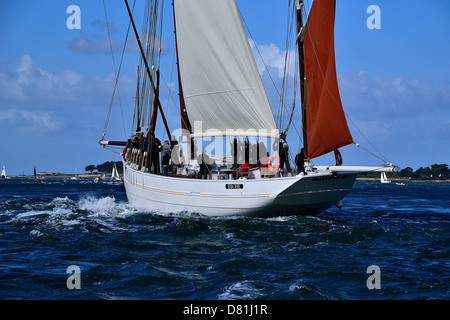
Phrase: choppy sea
[48,227]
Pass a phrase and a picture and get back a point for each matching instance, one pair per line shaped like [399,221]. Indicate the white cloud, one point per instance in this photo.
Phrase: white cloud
[92,44]
[41,121]
[29,83]
[397,97]
[407,119]
[35,99]
[27,120]
[273,57]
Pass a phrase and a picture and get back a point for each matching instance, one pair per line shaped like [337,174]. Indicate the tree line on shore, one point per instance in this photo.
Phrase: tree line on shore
[433,172]
[105,167]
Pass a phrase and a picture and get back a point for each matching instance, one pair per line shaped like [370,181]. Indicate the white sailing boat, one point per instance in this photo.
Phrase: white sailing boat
[75,177]
[115,174]
[384,179]
[3,175]
[36,178]
[222,96]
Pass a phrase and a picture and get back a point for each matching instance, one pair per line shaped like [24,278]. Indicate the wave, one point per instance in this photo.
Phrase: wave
[87,213]
[241,290]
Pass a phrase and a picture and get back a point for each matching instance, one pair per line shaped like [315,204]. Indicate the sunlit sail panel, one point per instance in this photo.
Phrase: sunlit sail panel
[221,84]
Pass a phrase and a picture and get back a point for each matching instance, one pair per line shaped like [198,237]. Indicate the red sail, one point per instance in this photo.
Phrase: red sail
[326,125]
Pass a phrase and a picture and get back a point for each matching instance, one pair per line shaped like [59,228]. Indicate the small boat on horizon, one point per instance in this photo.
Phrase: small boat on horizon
[35,176]
[384,179]
[75,177]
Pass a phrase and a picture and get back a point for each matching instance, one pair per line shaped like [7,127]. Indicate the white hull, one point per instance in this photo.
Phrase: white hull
[298,195]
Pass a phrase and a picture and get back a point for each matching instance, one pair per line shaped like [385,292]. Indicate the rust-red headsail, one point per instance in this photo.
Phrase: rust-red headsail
[326,125]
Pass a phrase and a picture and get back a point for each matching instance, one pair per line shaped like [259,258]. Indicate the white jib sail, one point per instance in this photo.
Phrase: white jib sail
[221,83]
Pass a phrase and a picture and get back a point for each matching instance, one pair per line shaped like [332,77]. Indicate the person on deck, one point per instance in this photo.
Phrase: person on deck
[263,164]
[165,162]
[300,161]
[245,167]
[204,163]
[165,147]
[284,156]
[155,148]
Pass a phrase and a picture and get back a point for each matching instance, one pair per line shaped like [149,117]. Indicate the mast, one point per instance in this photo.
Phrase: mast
[154,88]
[300,30]
[138,102]
[155,106]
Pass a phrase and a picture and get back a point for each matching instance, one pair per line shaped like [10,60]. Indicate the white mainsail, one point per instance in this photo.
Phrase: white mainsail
[3,172]
[221,83]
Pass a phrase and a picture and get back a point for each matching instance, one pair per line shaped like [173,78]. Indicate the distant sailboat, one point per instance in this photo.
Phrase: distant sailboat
[384,179]
[3,176]
[75,177]
[115,173]
[35,175]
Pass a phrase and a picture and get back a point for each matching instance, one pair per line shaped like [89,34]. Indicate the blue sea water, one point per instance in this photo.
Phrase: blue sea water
[125,253]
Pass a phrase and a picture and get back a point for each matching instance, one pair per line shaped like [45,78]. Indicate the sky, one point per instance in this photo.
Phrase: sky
[56,83]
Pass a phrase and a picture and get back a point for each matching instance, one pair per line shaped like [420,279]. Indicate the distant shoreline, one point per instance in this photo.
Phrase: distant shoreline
[402,180]
[99,175]
[61,176]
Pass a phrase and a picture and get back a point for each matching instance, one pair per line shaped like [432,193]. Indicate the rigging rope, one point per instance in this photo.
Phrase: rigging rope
[116,74]
[282,105]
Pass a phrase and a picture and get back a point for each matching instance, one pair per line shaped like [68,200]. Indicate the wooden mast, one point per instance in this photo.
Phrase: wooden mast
[155,107]
[300,26]
[138,125]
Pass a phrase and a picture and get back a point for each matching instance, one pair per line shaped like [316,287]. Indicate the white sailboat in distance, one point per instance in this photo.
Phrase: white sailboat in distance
[384,178]
[74,177]
[222,99]
[115,173]
[3,175]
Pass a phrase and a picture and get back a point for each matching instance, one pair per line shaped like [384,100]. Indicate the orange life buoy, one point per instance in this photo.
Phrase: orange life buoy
[271,167]
[124,153]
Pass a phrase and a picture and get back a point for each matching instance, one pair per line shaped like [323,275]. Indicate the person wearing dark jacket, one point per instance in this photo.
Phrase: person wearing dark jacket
[204,163]
[300,161]
[155,148]
[165,162]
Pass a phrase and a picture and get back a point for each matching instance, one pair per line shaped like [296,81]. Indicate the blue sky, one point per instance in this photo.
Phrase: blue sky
[56,83]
